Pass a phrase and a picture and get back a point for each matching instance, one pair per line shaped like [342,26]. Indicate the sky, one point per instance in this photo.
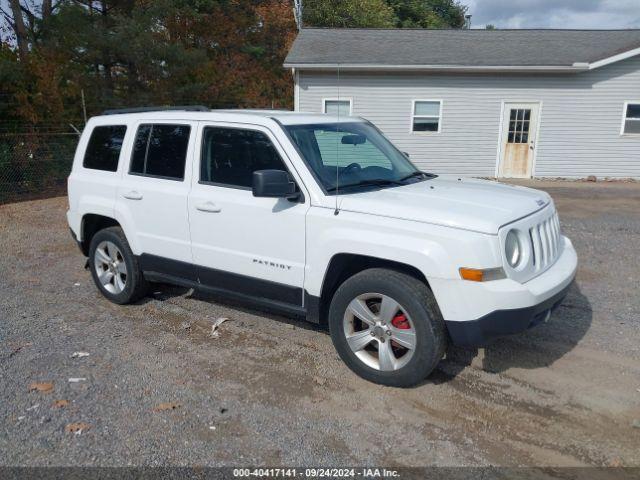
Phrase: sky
[599,14]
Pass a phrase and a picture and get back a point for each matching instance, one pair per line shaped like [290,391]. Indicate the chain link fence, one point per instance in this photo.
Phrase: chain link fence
[35,165]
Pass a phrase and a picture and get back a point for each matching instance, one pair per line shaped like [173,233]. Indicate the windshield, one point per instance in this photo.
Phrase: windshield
[352,156]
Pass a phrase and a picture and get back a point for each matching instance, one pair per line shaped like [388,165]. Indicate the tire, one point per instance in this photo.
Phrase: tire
[110,257]
[416,321]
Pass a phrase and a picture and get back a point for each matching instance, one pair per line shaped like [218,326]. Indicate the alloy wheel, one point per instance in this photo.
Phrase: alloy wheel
[110,266]
[379,331]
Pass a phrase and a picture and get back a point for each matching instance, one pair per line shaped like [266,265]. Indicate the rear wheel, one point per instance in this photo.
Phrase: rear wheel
[114,267]
[387,328]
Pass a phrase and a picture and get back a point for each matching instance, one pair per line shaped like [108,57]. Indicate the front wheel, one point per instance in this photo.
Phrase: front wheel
[387,328]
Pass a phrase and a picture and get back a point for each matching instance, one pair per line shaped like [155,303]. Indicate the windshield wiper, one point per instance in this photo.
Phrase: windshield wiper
[366,183]
[417,174]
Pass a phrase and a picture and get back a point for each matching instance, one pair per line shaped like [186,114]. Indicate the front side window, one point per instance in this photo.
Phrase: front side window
[352,155]
[231,155]
[631,124]
[338,107]
[426,116]
[160,150]
[103,149]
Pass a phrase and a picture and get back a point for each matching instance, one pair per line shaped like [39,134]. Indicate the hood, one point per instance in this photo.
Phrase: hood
[477,205]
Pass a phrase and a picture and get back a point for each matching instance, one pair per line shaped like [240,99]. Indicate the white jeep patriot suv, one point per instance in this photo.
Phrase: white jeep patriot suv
[320,217]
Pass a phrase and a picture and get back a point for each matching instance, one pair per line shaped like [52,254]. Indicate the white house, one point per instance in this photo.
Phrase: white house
[504,103]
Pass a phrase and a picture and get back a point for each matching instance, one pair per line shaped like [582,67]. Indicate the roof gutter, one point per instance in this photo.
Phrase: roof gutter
[614,59]
[576,67]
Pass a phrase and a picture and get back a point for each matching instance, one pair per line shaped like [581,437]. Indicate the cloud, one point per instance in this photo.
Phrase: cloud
[555,13]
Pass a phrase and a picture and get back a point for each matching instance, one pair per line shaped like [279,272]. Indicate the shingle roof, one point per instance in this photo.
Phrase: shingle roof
[462,48]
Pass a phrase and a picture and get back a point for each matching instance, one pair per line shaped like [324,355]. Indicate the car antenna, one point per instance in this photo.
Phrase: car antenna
[337,210]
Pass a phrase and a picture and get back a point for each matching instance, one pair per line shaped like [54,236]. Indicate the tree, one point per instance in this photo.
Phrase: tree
[221,53]
[347,13]
[19,27]
[384,13]
[490,26]
[428,13]
[26,21]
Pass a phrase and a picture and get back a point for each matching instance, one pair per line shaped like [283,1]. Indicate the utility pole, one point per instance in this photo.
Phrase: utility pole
[84,106]
[297,13]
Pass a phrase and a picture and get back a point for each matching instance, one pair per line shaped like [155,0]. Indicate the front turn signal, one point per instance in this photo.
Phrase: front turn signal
[482,275]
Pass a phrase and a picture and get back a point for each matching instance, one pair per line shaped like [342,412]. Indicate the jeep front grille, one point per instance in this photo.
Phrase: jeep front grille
[545,240]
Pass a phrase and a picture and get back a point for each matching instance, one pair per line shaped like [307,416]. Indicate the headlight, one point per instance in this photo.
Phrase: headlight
[513,249]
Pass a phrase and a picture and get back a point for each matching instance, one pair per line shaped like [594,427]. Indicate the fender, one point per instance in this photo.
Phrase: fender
[91,204]
[436,251]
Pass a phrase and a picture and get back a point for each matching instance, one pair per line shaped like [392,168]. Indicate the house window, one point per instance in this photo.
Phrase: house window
[426,116]
[519,123]
[338,107]
[631,122]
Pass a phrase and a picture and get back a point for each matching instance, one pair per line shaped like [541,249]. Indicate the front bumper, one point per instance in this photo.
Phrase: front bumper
[476,313]
[481,332]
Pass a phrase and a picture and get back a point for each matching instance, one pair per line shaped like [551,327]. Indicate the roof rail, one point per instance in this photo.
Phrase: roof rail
[186,108]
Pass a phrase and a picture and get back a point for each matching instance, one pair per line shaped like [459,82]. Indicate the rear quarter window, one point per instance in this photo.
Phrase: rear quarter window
[103,149]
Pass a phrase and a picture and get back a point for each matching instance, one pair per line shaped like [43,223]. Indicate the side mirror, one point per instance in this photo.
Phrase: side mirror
[273,184]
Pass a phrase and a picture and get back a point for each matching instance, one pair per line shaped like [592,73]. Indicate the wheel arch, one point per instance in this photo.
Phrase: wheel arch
[91,224]
[344,265]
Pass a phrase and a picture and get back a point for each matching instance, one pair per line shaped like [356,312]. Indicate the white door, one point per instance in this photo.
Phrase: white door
[519,130]
[154,191]
[254,246]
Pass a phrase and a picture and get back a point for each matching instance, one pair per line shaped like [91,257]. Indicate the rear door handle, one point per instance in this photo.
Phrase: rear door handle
[208,207]
[133,195]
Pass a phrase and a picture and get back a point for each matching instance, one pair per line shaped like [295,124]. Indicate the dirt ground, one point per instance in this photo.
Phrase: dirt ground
[156,389]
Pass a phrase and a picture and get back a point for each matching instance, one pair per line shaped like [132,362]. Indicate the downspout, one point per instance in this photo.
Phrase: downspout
[296,90]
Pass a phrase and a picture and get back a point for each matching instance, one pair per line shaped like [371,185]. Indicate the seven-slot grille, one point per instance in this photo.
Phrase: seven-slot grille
[545,239]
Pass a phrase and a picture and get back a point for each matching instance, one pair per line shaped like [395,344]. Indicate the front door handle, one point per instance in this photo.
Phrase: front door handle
[132,195]
[208,207]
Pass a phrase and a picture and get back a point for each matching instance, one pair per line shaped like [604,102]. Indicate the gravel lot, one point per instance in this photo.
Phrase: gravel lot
[272,391]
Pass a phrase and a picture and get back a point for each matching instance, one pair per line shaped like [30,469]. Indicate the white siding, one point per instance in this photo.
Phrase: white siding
[580,117]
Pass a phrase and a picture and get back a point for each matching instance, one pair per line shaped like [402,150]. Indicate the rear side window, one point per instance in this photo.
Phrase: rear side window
[230,156]
[160,151]
[103,150]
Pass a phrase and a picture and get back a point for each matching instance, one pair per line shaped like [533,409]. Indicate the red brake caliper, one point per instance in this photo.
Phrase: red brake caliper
[401,323]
